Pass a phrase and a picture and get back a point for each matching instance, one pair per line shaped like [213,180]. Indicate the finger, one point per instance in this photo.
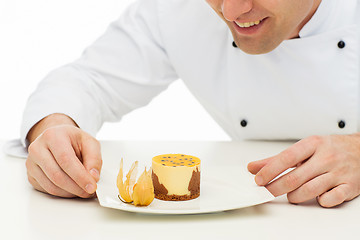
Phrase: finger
[312,188]
[57,176]
[46,184]
[256,166]
[30,169]
[335,196]
[35,184]
[295,154]
[294,179]
[91,156]
[65,156]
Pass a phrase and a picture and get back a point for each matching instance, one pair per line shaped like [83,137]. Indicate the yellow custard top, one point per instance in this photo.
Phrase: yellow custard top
[176,160]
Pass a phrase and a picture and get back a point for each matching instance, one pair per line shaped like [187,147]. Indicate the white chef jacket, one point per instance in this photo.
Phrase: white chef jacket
[306,86]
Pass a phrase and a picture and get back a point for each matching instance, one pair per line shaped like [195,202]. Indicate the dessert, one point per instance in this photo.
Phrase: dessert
[176,177]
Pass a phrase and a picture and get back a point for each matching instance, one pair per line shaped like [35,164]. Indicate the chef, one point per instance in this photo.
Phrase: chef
[285,69]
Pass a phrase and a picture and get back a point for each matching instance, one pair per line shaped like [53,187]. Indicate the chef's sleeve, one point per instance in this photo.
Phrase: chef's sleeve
[123,70]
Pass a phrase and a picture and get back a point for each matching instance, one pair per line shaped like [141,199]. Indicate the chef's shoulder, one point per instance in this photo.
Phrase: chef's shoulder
[178,9]
[190,22]
[171,5]
[188,16]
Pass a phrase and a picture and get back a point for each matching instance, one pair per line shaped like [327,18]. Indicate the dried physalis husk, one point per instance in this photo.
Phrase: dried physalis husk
[143,193]
[126,188]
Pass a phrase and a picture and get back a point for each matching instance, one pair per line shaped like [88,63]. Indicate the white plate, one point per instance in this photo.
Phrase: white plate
[222,188]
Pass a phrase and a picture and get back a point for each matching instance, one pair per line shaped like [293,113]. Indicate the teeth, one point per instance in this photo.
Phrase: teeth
[248,24]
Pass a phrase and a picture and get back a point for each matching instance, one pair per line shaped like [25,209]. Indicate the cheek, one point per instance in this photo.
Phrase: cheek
[297,11]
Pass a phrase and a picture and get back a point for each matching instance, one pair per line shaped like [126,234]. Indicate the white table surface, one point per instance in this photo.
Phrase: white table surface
[28,214]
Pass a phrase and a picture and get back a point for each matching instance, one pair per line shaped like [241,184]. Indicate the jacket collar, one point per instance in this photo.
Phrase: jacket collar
[330,15]
[319,21]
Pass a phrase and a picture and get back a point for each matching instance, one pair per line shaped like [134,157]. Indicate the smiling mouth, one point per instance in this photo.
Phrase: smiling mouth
[249,28]
[248,24]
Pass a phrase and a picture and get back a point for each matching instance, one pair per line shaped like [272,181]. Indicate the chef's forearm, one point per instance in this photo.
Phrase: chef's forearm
[52,120]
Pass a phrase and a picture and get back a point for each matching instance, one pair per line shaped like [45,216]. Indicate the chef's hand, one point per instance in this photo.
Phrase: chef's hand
[63,160]
[326,168]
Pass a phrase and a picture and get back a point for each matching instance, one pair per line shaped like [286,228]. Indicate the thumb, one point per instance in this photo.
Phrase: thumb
[256,166]
[91,156]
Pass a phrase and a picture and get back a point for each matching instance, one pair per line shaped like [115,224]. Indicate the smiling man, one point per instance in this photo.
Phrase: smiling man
[260,26]
[278,69]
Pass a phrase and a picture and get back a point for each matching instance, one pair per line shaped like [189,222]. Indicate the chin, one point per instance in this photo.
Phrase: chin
[255,49]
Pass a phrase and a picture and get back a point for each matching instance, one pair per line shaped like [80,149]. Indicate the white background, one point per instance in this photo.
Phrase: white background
[39,35]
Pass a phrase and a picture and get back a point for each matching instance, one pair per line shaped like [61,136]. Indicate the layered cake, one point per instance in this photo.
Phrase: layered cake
[176,177]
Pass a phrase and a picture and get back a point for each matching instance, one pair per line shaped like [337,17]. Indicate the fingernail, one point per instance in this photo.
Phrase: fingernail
[258,180]
[90,188]
[95,173]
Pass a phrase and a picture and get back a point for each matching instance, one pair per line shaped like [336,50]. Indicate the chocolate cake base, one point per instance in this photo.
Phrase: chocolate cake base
[162,193]
[176,197]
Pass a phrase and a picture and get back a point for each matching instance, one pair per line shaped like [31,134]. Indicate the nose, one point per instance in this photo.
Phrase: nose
[232,9]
